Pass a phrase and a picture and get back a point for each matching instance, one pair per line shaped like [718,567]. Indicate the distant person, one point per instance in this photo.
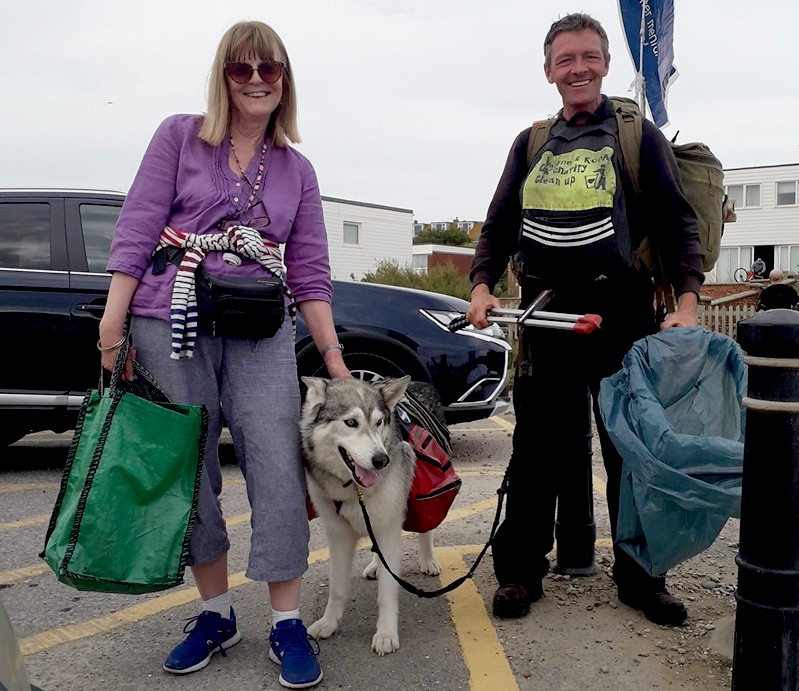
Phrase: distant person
[223,192]
[570,217]
[777,295]
[759,268]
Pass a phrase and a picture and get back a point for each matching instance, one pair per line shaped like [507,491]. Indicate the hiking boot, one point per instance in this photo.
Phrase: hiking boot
[211,633]
[512,601]
[295,651]
[658,605]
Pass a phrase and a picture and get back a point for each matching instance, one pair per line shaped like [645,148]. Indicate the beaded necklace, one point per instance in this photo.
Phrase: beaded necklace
[259,178]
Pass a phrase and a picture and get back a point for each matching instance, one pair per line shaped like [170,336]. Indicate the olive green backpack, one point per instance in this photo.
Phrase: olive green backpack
[701,175]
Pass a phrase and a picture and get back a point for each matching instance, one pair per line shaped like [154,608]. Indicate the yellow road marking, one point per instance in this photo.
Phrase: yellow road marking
[455,513]
[25,487]
[502,423]
[25,572]
[240,518]
[483,653]
[475,473]
[25,522]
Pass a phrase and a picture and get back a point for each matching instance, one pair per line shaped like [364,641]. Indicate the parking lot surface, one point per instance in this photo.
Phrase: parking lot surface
[577,637]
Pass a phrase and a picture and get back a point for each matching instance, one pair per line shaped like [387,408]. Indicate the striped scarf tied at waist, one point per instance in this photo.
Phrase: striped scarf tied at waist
[235,242]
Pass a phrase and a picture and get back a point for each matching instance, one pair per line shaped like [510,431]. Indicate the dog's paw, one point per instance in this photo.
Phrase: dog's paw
[370,571]
[431,567]
[323,628]
[384,643]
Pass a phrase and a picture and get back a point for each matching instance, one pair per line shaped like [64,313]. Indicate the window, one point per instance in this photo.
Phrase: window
[351,233]
[420,263]
[744,195]
[786,193]
[417,228]
[752,195]
[794,260]
[98,222]
[25,236]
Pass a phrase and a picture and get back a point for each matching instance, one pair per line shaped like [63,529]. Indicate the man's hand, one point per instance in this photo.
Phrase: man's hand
[482,301]
[685,314]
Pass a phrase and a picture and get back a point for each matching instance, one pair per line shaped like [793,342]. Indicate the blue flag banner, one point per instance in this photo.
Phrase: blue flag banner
[652,39]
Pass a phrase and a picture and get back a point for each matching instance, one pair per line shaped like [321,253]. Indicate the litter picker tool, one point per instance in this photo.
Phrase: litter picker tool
[535,316]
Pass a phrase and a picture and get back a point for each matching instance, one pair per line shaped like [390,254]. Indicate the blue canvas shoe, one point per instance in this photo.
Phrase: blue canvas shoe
[211,634]
[295,651]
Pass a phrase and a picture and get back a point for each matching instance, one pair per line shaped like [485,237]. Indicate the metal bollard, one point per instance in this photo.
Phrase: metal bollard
[766,649]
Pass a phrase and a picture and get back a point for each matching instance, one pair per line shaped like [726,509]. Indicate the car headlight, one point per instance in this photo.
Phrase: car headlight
[445,317]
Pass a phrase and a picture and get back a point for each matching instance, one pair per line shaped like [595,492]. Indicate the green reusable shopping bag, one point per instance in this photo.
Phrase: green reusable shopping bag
[123,517]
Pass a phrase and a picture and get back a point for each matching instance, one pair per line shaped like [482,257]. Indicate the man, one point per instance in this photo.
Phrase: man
[575,222]
[777,295]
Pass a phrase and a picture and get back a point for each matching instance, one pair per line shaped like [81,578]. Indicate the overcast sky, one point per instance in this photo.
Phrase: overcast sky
[408,103]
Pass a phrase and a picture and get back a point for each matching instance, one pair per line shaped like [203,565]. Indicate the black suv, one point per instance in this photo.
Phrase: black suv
[53,286]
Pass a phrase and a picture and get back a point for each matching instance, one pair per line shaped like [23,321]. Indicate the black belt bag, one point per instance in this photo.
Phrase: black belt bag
[240,306]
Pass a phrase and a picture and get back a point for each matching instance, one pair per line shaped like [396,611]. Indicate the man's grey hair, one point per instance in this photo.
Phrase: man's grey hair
[575,22]
[776,275]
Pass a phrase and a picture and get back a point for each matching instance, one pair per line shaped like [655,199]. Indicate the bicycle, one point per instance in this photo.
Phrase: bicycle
[742,275]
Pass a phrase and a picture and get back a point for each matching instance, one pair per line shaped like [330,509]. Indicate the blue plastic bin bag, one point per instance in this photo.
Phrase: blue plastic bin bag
[675,413]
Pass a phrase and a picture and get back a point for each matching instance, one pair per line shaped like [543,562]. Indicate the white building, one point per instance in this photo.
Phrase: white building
[360,235]
[767,206]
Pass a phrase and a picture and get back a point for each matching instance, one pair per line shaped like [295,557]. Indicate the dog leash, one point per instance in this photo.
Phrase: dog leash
[419,592]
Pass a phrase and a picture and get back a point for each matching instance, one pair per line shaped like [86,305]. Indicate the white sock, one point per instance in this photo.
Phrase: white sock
[220,603]
[282,616]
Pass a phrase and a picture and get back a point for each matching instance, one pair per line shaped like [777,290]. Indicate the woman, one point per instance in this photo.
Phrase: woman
[205,182]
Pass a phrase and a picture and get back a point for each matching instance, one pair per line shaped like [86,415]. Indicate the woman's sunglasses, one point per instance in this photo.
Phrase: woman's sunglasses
[241,72]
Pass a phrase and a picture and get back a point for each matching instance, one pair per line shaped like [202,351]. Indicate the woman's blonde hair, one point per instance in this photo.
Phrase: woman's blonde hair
[241,41]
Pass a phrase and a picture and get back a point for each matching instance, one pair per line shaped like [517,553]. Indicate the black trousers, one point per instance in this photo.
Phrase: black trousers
[555,390]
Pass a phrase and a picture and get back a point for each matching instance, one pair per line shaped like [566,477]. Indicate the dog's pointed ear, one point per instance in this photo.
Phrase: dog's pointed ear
[317,389]
[393,390]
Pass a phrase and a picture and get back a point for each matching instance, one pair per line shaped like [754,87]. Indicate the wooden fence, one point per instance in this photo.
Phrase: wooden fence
[724,318]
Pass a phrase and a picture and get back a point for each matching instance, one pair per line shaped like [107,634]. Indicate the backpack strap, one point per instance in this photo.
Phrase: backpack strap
[630,125]
[539,134]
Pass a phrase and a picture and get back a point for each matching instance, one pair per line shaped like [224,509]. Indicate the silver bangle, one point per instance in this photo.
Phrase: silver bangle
[108,349]
[328,348]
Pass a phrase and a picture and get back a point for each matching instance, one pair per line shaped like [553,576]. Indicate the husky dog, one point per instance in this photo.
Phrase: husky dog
[350,438]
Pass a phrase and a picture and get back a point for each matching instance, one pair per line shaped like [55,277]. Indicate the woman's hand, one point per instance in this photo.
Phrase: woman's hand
[335,364]
[319,319]
[112,325]
[108,358]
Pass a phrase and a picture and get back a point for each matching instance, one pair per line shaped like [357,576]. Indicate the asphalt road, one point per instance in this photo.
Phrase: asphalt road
[88,641]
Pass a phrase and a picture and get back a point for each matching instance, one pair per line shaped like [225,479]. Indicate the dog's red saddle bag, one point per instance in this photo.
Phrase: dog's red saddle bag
[434,484]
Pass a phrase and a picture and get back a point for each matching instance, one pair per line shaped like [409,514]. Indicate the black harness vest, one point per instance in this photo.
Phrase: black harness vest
[574,218]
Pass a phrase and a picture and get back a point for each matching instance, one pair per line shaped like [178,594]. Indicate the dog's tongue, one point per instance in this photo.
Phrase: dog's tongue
[366,477]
